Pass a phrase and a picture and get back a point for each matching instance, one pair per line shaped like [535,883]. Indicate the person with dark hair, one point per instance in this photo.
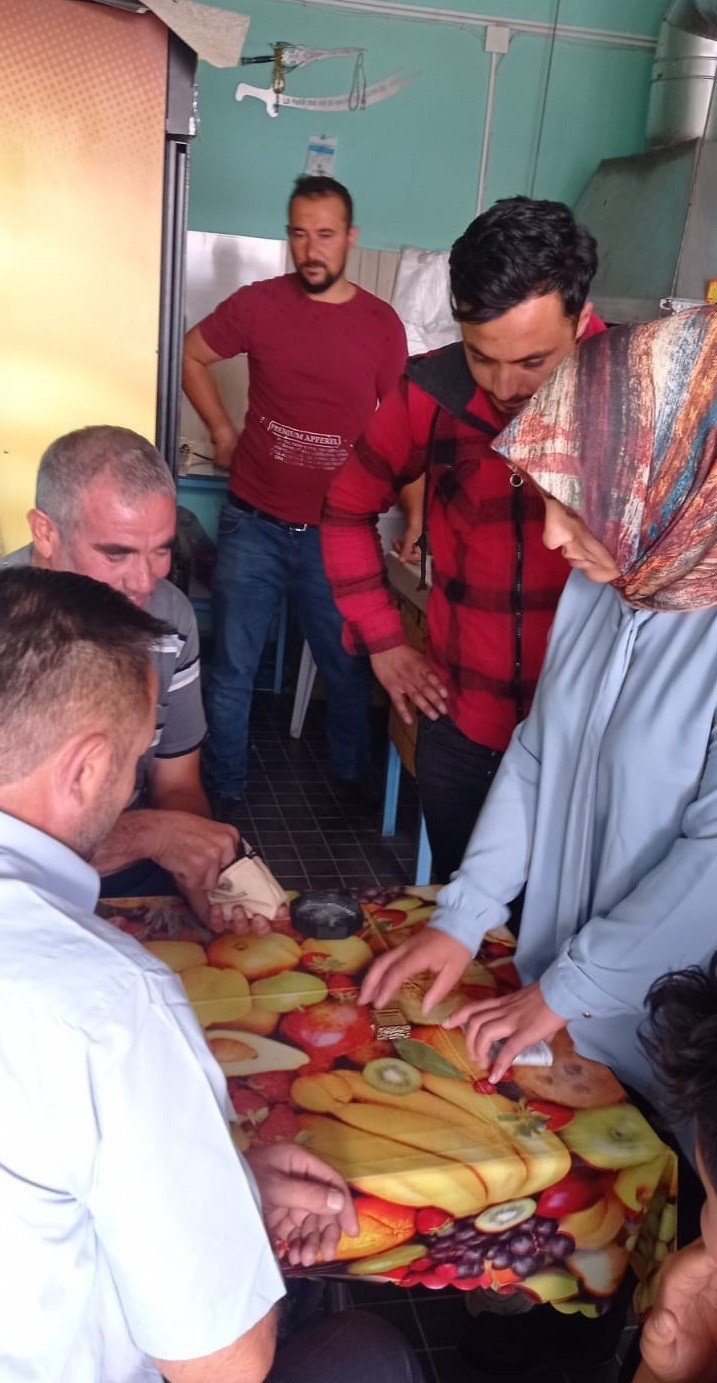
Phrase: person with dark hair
[520,276]
[679,1338]
[106,507]
[136,1240]
[322,352]
[314,185]
[603,812]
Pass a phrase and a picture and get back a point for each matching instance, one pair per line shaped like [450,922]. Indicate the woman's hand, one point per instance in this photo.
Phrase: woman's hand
[517,1020]
[428,949]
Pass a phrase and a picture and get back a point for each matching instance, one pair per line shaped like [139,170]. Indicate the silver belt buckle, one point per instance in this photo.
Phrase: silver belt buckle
[298,527]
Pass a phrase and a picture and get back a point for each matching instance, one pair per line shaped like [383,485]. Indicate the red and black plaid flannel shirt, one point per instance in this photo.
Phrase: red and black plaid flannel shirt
[494,585]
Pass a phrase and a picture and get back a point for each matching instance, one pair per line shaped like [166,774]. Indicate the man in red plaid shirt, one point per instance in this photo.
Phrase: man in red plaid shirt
[520,276]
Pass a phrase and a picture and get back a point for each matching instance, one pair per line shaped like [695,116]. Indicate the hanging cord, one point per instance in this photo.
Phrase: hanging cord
[543,108]
[357,94]
[278,72]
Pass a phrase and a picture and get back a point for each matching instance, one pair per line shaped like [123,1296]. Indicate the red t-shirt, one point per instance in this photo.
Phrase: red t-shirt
[316,372]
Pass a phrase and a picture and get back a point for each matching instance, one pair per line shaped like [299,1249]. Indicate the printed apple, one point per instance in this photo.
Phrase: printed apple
[290,990]
[328,1030]
[597,1226]
[178,955]
[344,957]
[581,1188]
[256,1020]
[612,1138]
[217,996]
[255,956]
[637,1185]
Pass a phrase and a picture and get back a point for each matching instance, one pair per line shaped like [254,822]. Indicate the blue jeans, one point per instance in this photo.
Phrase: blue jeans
[257,563]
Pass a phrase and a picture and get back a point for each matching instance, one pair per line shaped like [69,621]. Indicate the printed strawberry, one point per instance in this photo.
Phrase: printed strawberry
[556,1116]
[342,988]
[275,1086]
[250,1107]
[431,1220]
[280,1125]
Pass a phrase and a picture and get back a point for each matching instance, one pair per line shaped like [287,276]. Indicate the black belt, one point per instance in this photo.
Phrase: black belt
[246,508]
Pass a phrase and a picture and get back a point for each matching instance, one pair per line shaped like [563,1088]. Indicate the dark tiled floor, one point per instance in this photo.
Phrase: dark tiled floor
[293,816]
[309,839]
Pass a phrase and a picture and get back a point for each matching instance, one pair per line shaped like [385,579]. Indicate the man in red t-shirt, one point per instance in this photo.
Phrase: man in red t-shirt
[519,280]
[322,353]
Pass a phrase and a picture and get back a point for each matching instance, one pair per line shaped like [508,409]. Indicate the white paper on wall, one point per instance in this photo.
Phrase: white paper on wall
[422,299]
[216,36]
[321,156]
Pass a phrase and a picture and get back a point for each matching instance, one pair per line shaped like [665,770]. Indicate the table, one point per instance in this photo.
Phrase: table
[551,1185]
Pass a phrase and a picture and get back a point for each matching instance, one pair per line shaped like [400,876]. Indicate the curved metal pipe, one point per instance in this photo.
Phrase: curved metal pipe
[684,74]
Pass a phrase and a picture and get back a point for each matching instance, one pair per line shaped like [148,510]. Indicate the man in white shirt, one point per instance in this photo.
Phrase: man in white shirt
[133,1242]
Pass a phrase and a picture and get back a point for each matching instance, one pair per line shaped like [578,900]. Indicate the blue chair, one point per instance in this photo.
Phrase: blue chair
[390,811]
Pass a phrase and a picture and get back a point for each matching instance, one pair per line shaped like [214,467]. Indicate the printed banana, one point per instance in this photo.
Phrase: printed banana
[546,1158]
[380,1167]
[513,1178]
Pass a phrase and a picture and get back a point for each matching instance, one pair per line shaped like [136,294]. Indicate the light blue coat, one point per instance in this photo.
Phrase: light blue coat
[605,807]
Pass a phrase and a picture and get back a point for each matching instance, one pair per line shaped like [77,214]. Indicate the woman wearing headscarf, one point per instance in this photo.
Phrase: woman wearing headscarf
[605,804]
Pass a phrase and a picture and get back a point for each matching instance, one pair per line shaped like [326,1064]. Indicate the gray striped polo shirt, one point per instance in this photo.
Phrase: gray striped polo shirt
[180,725]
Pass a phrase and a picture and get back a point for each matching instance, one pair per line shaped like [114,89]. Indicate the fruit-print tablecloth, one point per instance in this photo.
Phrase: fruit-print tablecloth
[550,1185]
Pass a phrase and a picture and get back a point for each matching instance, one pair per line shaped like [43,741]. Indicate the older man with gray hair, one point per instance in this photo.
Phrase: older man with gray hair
[105,507]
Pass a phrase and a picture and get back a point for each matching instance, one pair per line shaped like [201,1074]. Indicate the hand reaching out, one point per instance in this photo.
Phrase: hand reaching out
[428,950]
[517,1020]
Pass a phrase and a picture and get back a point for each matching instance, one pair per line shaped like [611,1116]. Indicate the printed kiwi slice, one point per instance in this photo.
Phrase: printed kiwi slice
[391,1076]
[509,1215]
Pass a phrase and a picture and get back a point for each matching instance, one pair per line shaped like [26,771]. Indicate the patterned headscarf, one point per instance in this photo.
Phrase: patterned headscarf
[625,434]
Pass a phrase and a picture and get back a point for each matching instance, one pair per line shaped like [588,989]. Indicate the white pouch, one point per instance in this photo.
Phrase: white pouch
[250,884]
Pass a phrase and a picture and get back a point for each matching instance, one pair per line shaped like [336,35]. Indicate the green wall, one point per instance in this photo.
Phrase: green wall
[412,162]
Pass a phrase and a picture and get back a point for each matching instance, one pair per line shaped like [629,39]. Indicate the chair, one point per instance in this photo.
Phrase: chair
[390,811]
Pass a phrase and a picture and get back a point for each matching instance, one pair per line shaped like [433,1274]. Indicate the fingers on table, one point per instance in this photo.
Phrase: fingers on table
[446,978]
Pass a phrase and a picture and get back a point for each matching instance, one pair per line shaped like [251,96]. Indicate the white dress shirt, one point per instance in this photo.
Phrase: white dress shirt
[128,1224]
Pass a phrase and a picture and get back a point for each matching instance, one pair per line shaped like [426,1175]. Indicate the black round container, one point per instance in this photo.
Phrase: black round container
[326,914]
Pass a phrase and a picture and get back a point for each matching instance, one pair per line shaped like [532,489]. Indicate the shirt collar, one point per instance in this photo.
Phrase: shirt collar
[46,864]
